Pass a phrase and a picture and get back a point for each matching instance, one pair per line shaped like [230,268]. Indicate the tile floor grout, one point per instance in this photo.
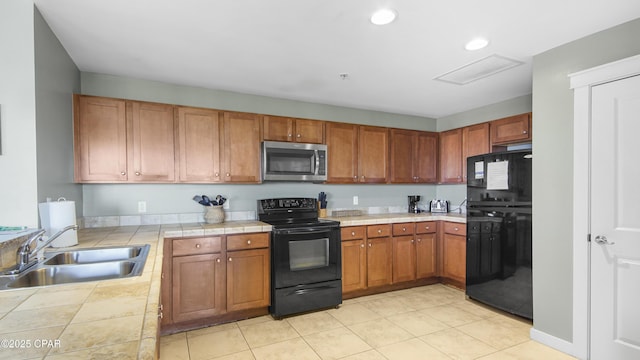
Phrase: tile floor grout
[425,322]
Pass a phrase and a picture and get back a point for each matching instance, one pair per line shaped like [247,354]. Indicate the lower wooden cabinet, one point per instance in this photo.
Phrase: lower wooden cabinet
[206,278]
[379,255]
[354,265]
[404,258]
[426,249]
[454,252]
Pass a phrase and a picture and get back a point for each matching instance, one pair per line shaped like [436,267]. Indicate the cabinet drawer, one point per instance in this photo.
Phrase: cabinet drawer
[455,228]
[403,229]
[247,241]
[352,233]
[194,246]
[374,231]
[426,227]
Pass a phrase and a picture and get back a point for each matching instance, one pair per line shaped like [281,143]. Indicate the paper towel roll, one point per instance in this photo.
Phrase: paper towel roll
[56,215]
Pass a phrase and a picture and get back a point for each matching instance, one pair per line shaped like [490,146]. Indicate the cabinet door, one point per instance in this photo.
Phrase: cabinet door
[454,257]
[152,155]
[241,144]
[309,131]
[354,265]
[426,255]
[198,287]
[342,153]
[402,149]
[199,145]
[373,154]
[475,141]
[100,131]
[451,156]
[404,258]
[277,128]
[248,279]
[379,261]
[511,130]
[426,158]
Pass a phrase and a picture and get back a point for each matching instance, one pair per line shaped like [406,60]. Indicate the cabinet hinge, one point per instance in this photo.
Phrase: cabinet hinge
[588,237]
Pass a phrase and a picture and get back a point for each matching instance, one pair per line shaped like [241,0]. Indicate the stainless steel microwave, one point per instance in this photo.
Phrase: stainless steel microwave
[284,161]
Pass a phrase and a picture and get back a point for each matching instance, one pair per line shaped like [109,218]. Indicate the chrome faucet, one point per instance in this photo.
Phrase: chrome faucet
[24,254]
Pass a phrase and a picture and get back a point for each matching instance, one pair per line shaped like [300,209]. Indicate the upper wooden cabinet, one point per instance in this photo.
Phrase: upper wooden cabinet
[357,154]
[450,156]
[199,145]
[123,141]
[241,143]
[277,128]
[510,130]
[413,156]
[475,141]
[100,138]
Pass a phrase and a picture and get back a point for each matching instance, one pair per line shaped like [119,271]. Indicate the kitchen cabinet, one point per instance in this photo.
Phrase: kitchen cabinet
[450,156]
[356,154]
[414,156]
[210,279]
[278,128]
[248,266]
[199,145]
[454,252]
[426,249]
[379,255]
[404,252]
[123,141]
[475,141]
[100,138]
[198,279]
[511,130]
[354,258]
[241,143]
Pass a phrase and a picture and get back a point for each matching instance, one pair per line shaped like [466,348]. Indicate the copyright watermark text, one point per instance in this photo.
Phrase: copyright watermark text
[29,343]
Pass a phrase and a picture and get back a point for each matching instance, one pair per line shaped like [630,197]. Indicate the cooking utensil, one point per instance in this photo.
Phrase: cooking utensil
[205,201]
[197,198]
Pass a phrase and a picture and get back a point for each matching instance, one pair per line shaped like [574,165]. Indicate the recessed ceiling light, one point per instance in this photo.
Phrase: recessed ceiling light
[476,44]
[383,16]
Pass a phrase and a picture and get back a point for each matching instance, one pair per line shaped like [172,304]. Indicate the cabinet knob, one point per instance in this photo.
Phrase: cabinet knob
[160,315]
[289,135]
[248,242]
[369,244]
[197,246]
[123,173]
[524,131]
[426,227]
[228,174]
[230,259]
[362,177]
[218,260]
[404,229]
[379,231]
[353,233]
[299,136]
[412,241]
[456,229]
[361,245]
[419,240]
[217,174]
[137,173]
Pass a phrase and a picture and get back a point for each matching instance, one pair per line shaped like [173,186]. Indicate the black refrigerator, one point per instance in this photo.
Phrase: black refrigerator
[499,231]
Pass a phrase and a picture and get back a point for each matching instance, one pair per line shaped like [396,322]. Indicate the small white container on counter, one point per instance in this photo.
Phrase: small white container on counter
[56,215]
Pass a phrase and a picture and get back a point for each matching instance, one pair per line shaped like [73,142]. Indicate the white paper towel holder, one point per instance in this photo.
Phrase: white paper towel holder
[65,240]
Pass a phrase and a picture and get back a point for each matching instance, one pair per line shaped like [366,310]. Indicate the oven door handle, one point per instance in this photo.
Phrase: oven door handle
[303,231]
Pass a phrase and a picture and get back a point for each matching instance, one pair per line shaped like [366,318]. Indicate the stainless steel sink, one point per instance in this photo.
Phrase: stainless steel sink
[95,255]
[64,274]
[71,266]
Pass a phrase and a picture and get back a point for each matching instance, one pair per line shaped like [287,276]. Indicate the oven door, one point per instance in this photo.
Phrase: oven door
[305,255]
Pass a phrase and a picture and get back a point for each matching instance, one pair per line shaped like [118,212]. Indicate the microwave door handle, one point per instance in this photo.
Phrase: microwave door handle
[317,157]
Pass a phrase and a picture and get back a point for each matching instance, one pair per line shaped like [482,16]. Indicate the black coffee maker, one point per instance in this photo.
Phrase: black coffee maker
[413,204]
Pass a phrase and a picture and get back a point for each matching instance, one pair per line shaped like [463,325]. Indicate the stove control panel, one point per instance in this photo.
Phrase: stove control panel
[287,203]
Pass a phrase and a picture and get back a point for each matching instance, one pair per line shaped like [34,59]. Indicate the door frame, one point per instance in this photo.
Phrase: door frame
[581,83]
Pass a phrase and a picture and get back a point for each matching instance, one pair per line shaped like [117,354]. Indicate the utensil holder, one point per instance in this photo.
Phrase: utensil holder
[214,215]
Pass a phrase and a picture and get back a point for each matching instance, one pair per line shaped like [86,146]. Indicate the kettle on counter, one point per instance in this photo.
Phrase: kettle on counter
[439,206]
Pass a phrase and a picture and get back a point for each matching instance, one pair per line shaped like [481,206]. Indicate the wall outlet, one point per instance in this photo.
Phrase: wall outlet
[142,206]
[226,204]
[355,200]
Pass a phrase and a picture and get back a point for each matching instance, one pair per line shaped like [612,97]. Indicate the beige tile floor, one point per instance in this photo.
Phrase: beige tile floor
[429,322]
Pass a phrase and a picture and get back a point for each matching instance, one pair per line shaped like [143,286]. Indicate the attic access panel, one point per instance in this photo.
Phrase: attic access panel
[479,69]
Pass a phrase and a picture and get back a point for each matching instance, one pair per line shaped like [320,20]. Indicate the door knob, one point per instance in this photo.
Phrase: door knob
[602,240]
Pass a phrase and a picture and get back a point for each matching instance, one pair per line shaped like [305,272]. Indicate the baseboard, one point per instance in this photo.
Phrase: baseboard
[554,342]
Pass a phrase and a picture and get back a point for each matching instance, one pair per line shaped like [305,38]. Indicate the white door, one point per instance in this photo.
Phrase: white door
[615,220]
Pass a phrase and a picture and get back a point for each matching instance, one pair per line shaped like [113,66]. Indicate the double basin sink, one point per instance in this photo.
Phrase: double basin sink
[71,266]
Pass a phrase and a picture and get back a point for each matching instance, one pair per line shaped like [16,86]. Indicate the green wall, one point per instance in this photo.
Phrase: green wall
[56,79]
[553,170]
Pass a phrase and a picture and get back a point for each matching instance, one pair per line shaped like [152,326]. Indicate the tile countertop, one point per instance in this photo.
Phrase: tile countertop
[117,318]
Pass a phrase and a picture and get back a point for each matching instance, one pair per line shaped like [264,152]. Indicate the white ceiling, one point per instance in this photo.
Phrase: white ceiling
[296,49]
